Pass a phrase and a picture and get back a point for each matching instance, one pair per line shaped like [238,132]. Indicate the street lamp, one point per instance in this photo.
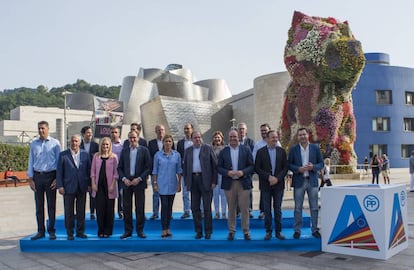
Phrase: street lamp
[65,123]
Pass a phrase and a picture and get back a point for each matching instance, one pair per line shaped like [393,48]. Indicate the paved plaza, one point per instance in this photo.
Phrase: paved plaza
[17,220]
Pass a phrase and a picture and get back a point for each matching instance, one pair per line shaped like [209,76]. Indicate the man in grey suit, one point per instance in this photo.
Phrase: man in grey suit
[72,181]
[200,176]
[235,164]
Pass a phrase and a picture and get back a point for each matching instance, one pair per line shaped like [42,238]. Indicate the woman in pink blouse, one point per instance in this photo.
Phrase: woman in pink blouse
[104,178]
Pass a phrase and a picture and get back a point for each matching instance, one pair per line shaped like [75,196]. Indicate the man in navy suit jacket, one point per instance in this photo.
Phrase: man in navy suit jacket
[72,181]
[271,166]
[133,175]
[305,161]
[91,147]
[235,164]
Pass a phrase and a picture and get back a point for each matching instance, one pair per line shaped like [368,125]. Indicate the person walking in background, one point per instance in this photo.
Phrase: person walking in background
[91,147]
[73,181]
[133,169]
[117,147]
[166,173]
[182,145]
[375,169]
[305,161]
[326,179]
[288,180]
[235,164]
[200,176]
[366,165]
[219,197]
[104,178]
[43,158]
[271,166]
[411,169]
[385,168]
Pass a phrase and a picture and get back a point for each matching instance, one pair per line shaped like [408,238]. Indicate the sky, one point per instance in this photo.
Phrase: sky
[56,42]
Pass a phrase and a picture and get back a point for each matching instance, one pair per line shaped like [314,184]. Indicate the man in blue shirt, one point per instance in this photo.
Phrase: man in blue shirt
[43,158]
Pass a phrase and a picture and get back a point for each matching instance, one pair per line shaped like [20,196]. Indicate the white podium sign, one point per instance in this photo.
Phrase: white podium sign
[364,220]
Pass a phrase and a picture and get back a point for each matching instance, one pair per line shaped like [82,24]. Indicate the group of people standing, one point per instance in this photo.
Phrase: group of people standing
[202,172]
[379,164]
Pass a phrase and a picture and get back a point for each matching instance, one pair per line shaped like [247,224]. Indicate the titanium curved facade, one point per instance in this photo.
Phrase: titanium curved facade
[384,110]
[171,92]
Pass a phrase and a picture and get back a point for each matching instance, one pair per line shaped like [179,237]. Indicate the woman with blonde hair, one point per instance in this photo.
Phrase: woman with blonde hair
[219,197]
[326,179]
[104,178]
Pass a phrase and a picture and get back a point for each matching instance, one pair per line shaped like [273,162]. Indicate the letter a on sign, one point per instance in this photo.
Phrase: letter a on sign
[397,232]
[351,228]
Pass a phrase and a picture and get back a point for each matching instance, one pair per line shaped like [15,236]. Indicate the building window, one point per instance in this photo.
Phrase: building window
[381,124]
[377,149]
[409,124]
[406,150]
[384,97]
[409,98]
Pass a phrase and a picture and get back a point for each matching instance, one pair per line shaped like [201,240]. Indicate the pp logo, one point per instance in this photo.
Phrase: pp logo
[371,203]
[403,198]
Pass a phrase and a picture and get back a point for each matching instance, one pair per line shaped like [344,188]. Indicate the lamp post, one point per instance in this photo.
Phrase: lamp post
[65,122]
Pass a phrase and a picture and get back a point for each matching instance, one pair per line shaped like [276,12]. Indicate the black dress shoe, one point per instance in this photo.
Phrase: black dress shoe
[37,236]
[81,235]
[316,234]
[185,215]
[268,236]
[198,235]
[208,236]
[296,235]
[141,235]
[70,237]
[93,217]
[280,236]
[230,236]
[52,236]
[154,216]
[126,235]
[247,236]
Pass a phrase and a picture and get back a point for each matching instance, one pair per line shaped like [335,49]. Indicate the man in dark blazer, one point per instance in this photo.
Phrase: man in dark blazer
[200,176]
[244,140]
[154,146]
[91,147]
[235,164]
[182,145]
[271,167]
[133,169]
[137,128]
[72,181]
[305,161]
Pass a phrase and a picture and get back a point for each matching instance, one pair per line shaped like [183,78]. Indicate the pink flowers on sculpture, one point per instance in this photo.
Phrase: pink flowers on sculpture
[325,62]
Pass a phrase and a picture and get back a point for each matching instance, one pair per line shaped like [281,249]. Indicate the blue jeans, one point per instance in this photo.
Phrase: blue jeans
[298,196]
[155,200]
[219,197]
[186,197]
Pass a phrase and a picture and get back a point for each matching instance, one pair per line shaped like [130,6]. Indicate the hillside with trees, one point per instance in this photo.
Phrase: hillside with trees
[44,97]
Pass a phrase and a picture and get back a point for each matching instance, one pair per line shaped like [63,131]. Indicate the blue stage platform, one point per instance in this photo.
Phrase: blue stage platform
[181,241]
